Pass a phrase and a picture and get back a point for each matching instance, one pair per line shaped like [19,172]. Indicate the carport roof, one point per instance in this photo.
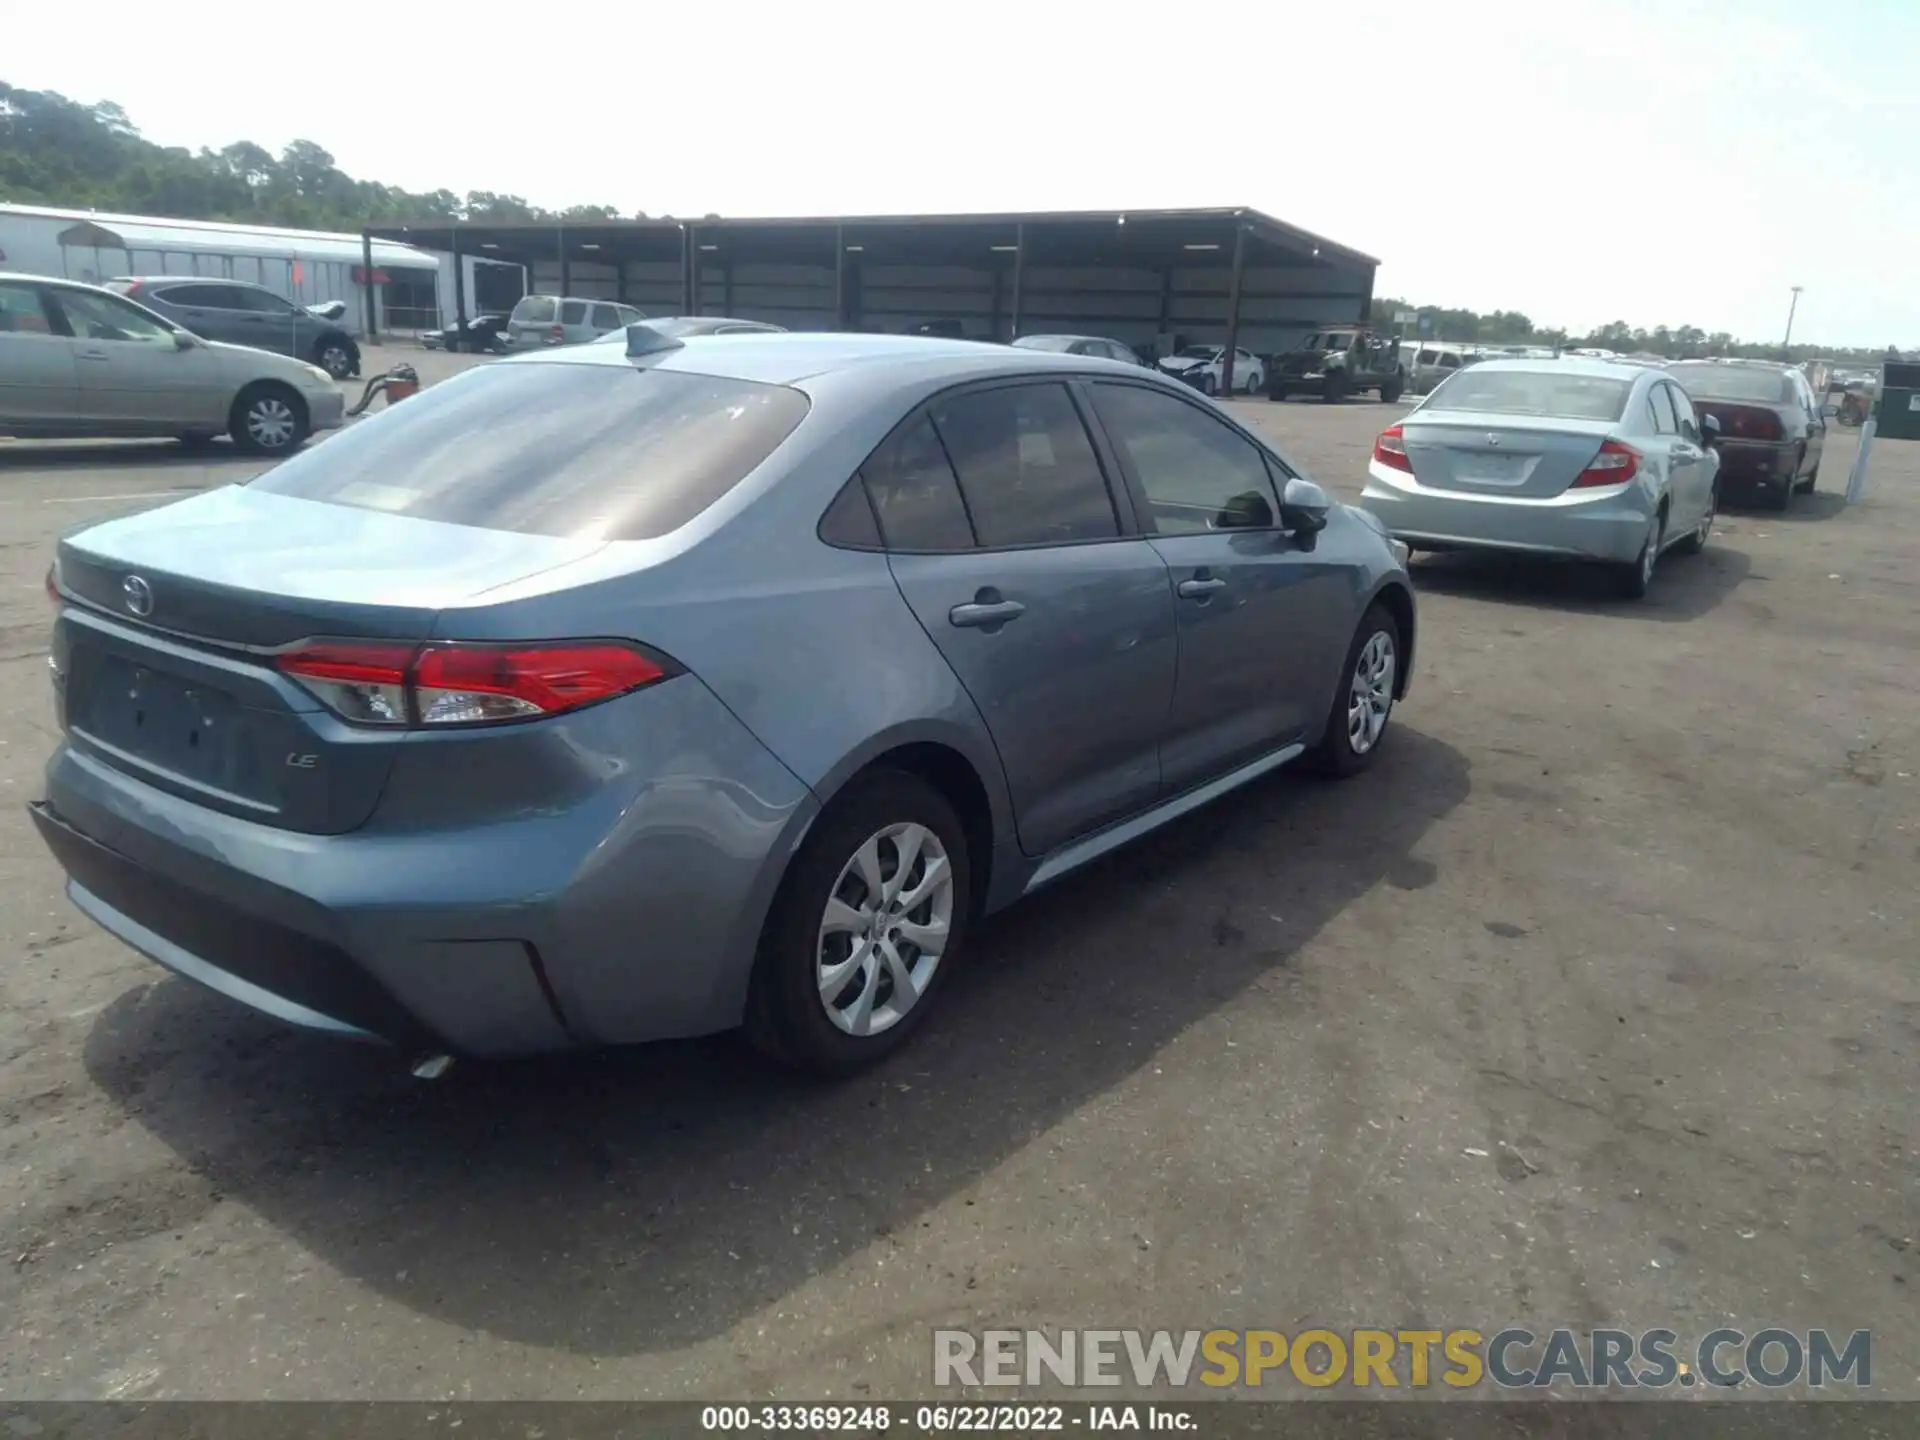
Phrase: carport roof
[1071,237]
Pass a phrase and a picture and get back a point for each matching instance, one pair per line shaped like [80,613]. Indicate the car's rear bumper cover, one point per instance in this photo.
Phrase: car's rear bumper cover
[630,911]
[1765,461]
[1609,525]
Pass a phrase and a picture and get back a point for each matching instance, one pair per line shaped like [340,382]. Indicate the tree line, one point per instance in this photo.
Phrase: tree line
[1510,327]
[56,151]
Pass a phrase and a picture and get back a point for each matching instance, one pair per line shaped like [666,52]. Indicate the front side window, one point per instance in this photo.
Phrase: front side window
[102,317]
[265,302]
[1683,412]
[22,311]
[598,452]
[914,493]
[1027,469]
[1198,473]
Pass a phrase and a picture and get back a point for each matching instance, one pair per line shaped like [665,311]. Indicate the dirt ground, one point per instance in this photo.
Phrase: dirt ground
[1594,1003]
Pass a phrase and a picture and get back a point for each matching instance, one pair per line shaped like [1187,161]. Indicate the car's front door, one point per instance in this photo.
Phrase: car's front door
[39,382]
[134,376]
[270,323]
[1005,540]
[209,311]
[1263,619]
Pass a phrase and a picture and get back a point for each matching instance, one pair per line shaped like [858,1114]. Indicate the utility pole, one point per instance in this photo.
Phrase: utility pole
[1786,345]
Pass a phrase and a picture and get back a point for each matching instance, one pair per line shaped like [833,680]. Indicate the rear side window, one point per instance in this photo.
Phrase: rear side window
[199,297]
[1664,420]
[608,452]
[1027,469]
[534,310]
[914,492]
[573,312]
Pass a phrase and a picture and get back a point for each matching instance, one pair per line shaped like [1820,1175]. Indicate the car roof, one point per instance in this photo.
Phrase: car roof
[786,358]
[183,280]
[1062,335]
[21,277]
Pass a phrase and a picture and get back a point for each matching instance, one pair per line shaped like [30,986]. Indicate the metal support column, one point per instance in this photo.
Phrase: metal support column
[1233,304]
[620,280]
[693,270]
[840,277]
[459,287]
[1019,276]
[726,287]
[366,286]
[560,250]
[686,272]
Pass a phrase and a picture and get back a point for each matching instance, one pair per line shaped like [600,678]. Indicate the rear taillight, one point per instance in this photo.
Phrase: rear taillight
[53,582]
[374,683]
[1614,465]
[1391,449]
[1754,424]
[556,333]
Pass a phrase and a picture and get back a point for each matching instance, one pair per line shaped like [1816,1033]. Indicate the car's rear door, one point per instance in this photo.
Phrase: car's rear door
[209,311]
[1006,540]
[39,383]
[1261,614]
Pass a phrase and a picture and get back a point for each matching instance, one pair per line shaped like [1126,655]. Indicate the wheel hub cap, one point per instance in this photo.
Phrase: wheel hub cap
[1370,696]
[270,423]
[884,929]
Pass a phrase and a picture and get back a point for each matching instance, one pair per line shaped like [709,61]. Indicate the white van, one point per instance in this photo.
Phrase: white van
[539,320]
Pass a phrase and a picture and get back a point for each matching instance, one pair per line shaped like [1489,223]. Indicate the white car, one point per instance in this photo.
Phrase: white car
[78,361]
[1202,366]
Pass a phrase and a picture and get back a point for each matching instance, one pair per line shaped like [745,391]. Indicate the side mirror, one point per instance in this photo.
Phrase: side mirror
[1304,506]
[183,341]
[1709,430]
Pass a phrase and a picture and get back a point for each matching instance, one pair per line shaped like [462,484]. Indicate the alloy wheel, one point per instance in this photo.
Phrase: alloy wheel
[270,422]
[884,929]
[1370,696]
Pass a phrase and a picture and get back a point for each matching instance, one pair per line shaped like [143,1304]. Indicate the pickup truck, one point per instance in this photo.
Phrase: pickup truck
[1338,362]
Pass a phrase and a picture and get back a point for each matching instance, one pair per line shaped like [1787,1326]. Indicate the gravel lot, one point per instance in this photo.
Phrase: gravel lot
[1595,1002]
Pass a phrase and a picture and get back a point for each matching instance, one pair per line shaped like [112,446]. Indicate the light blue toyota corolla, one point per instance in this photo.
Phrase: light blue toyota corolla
[619,693]
[1576,459]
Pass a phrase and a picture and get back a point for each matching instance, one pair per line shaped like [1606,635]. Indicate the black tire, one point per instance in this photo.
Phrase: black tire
[259,438]
[1333,388]
[1336,757]
[1209,386]
[787,1019]
[1392,390]
[1781,500]
[1635,578]
[1276,392]
[1812,482]
[1697,541]
[337,355]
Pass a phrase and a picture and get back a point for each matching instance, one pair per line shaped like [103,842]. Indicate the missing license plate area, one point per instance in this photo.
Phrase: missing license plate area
[1491,469]
[192,730]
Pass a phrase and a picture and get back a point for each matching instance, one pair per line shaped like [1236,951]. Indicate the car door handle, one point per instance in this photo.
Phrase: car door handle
[1200,587]
[94,355]
[984,612]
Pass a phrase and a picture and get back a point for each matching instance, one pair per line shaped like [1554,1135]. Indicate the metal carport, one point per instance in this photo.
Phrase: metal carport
[1151,278]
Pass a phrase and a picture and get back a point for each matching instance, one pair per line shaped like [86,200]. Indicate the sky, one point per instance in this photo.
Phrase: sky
[1653,161]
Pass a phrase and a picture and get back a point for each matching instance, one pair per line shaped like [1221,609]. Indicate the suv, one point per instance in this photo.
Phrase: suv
[541,320]
[1340,362]
[235,312]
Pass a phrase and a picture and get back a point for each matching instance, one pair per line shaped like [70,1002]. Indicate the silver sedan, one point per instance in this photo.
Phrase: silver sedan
[1580,459]
[78,361]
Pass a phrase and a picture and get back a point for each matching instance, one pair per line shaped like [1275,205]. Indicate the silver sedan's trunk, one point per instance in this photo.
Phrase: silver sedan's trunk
[1504,455]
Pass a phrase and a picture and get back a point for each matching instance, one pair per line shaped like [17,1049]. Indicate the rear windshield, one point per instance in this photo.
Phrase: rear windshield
[603,452]
[1532,392]
[1734,382]
[534,310]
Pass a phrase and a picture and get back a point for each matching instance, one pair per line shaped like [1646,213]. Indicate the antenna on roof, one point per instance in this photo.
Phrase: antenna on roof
[645,340]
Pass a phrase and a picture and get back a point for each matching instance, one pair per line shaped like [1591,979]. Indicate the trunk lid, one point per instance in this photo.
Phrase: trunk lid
[165,669]
[1492,454]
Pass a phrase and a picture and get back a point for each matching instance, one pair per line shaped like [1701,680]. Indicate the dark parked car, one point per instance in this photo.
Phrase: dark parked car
[482,335]
[1772,431]
[727,681]
[1094,345]
[239,313]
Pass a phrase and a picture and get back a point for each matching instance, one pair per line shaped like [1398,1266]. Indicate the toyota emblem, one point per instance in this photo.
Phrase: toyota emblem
[139,595]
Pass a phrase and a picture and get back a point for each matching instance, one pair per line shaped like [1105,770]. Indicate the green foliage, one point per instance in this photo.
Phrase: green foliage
[56,151]
[1510,327]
